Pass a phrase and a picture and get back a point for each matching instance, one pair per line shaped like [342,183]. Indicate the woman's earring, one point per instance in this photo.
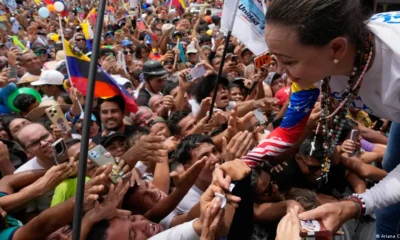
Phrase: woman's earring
[336,61]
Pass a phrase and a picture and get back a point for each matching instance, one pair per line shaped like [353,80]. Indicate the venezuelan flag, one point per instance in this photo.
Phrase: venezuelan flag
[180,5]
[105,86]
[301,103]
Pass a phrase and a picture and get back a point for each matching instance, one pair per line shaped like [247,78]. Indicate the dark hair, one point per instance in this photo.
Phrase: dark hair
[188,144]
[305,147]
[118,99]
[24,101]
[7,119]
[306,198]
[317,22]
[168,87]
[138,53]
[206,85]
[105,52]
[202,28]
[174,120]
[99,231]
[208,12]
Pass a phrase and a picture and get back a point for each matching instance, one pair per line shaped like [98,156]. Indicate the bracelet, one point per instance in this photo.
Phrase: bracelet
[359,201]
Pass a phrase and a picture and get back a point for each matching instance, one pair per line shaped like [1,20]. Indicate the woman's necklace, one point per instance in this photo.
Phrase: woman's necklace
[332,123]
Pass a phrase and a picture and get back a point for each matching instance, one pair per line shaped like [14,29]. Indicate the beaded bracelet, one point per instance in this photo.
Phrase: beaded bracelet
[359,201]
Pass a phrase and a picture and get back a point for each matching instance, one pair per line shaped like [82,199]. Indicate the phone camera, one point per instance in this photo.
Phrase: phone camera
[59,148]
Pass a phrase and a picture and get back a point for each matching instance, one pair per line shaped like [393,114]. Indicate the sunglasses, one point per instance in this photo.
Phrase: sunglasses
[79,39]
[38,53]
[168,63]
[126,52]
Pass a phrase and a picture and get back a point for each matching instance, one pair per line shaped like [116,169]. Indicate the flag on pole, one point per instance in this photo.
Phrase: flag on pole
[105,85]
[295,119]
[249,23]
[179,5]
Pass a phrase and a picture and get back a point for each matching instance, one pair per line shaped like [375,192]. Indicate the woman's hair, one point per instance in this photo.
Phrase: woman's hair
[317,22]
[138,53]
[306,198]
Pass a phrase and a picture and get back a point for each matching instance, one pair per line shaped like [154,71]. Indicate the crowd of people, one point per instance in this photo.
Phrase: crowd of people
[177,170]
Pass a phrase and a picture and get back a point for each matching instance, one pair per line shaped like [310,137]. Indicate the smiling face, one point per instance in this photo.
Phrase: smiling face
[304,64]
[143,197]
[132,227]
[111,115]
[37,140]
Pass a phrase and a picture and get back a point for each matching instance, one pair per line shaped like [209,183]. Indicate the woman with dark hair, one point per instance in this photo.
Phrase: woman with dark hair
[142,53]
[129,58]
[357,58]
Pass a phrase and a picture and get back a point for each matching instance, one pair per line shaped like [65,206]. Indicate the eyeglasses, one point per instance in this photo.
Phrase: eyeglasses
[40,52]
[35,145]
[79,39]
[129,51]
[168,63]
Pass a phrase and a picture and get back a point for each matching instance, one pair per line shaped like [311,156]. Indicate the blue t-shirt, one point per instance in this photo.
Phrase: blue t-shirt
[12,225]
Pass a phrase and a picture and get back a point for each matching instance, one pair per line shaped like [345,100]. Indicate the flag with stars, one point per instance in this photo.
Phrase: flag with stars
[105,86]
[301,103]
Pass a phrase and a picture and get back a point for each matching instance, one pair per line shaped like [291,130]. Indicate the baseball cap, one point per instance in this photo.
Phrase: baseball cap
[49,77]
[38,46]
[125,43]
[107,140]
[92,117]
[191,49]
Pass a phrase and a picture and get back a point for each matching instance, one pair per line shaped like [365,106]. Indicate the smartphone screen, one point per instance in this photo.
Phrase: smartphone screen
[260,116]
[60,153]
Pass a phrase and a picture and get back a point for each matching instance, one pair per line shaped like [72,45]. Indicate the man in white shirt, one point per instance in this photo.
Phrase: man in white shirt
[35,139]
[190,150]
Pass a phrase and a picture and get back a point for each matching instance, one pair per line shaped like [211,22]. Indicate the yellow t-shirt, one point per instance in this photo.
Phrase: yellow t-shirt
[65,191]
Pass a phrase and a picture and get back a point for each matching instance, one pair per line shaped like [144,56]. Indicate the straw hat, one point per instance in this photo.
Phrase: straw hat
[36,113]
[28,79]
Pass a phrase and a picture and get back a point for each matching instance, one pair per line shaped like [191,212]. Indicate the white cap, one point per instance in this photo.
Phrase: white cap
[49,77]
[191,49]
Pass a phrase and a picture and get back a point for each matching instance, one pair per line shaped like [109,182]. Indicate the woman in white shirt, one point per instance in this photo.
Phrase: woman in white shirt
[358,58]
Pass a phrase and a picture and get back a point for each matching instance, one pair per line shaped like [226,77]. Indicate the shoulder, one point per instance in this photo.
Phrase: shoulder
[29,165]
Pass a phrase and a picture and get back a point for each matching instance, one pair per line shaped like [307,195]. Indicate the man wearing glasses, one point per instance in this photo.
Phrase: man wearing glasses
[37,141]
[80,42]
[40,51]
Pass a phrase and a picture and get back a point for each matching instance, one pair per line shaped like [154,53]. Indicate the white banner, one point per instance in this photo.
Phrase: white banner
[249,23]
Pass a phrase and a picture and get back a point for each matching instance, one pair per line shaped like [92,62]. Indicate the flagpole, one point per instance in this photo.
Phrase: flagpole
[221,66]
[69,75]
[170,6]
[79,197]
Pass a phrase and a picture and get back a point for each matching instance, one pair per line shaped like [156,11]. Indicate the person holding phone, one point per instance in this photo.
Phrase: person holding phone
[324,39]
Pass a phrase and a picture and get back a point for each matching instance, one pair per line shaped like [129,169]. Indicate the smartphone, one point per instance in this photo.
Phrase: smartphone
[57,117]
[196,72]
[262,60]
[354,135]
[235,58]
[60,153]
[378,125]
[313,228]
[97,155]
[260,116]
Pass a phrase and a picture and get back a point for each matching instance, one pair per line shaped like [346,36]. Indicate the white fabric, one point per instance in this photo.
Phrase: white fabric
[196,106]
[384,193]
[184,231]
[43,202]
[191,199]
[379,92]
[379,95]
[249,23]
[29,165]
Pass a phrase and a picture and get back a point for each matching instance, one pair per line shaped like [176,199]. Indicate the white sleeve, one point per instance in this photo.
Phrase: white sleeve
[184,231]
[384,193]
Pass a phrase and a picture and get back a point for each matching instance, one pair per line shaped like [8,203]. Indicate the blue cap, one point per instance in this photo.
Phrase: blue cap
[126,43]
[93,118]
